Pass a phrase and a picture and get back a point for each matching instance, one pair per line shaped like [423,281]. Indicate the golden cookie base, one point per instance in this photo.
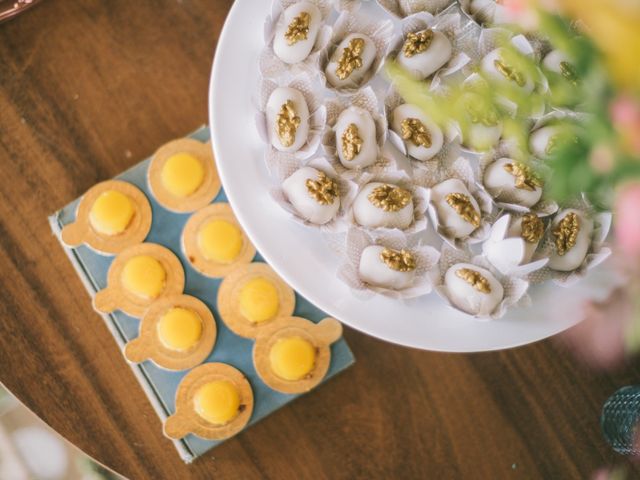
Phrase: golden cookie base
[116,297]
[148,346]
[81,231]
[205,193]
[283,328]
[185,420]
[229,305]
[192,252]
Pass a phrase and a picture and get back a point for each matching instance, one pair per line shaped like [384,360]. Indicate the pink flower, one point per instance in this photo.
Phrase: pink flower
[627,220]
[625,114]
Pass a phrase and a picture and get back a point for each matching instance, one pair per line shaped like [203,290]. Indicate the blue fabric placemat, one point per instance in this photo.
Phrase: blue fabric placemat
[160,385]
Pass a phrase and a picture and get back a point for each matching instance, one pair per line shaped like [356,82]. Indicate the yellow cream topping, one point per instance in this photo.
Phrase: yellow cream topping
[259,300]
[179,329]
[144,276]
[220,241]
[182,174]
[217,402]
[111,213]
[292,358]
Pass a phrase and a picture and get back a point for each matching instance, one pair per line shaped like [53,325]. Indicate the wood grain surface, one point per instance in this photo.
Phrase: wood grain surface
[87,88]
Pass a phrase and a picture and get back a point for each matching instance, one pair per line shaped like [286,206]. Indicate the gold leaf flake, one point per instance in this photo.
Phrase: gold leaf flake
[566,233]
[414,130]
[351,142]
[298,29]
[398,260]
[324,190]
[417,43]
[389,197]
[532,228]
[461,203]
[526,178]
[351,58]
[287,123]
[475,279]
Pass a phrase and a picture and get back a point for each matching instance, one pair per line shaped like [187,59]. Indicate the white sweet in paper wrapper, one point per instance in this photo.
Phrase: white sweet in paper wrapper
[396,110]
[588,251]
[489,48]
[516,185]
[297,195]
[472,286]
[449,188]
[444,55]
[379,33]
[297,88]
[482,127]
[366,272]
[376,193]
[361,110]
[404,8]
[278,56]
[511,247]
[553,126]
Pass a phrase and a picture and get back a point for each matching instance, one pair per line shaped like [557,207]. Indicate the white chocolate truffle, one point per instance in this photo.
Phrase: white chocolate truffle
[424,52]
[513,182]
[473,289]
[383,205]
[313,194]
[287,119]
[296,32]
[350,61]
[495,66]
[544,140]
[375,271]
[482,128]
[553,61]
[571,233]
[422,137]
[450,200]
[356,142]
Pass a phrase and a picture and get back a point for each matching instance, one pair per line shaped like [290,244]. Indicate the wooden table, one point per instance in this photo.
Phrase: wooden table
[89,88]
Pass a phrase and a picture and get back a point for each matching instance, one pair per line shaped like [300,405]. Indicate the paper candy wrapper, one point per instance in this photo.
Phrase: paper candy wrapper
[598,251]
[507,253]
[404,8]
[515,289]
[269,63]
[461,169]
[367,100]
[380,32]
[284,165]
[543,208]
[448,23]
[357,240]
[312,93]
[401,179]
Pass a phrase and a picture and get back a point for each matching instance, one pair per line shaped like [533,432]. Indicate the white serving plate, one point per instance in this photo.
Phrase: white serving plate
[303,258]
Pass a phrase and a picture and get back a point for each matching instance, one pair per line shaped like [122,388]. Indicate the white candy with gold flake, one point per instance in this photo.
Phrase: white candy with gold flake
[422,137]
[287,119]
[513,182]
[383,205]
[356,142]
[498,68]
[296,32]
[473,289]
[350,61]
[313,194]
[386,268]
[458,211]
[571,232]
[424,52]
[543,140]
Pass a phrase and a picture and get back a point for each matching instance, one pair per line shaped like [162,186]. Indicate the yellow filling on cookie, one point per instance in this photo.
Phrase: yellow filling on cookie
[144,276]
[179,329]
[182,174]
[217,402]
[259,300]
[111,213]
[220,241]
[292,358]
